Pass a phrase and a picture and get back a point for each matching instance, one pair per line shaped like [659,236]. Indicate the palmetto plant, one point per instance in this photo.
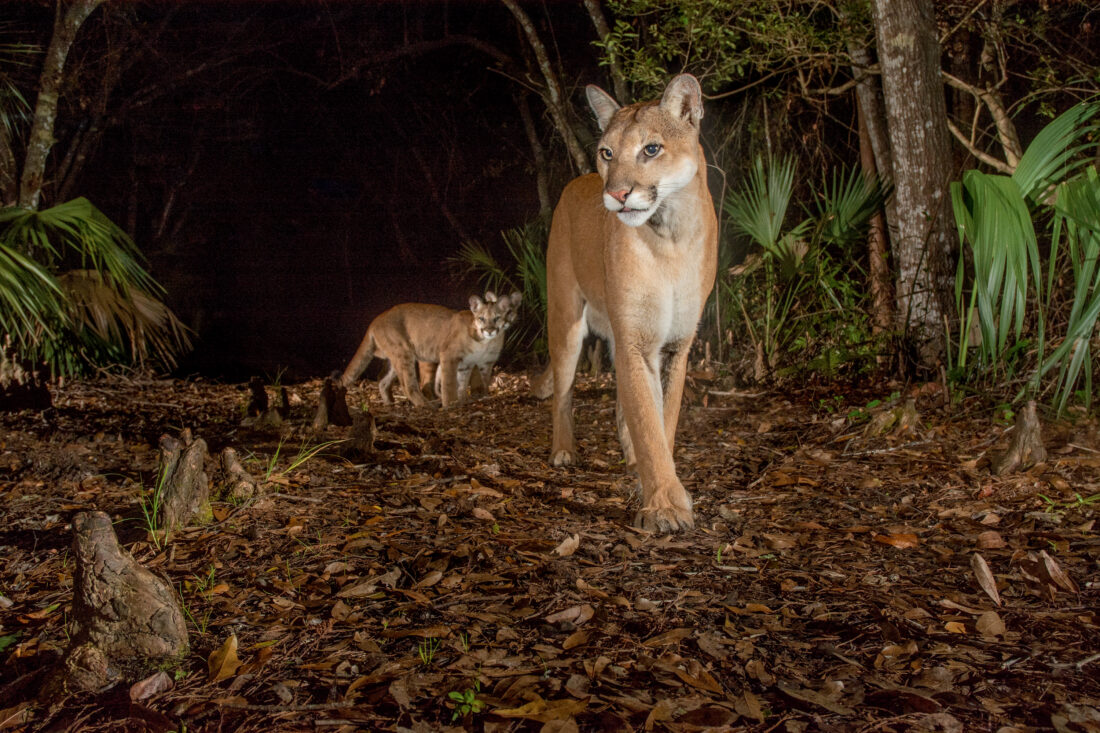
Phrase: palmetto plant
[1011,277]
[73,292]
[806,290]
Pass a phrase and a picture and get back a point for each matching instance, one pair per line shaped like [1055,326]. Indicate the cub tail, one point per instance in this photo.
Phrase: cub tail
[359,362]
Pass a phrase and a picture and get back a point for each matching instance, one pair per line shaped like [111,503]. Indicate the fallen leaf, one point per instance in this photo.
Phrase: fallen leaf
[576,639]
[990,624]
[901,540]
[483,514]
[985,577]
[668,637]
[990,540]
[223,662]
[574,614]
[955,627]
[697,676]
[568,546]
[159,682]
[814,697]
[545,710]
[1056,574]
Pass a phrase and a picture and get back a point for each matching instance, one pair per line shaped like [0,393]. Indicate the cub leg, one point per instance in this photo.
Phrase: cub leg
[406,372]
[385,384]
[666,506]
[427,378]
[566,338]
[449,394]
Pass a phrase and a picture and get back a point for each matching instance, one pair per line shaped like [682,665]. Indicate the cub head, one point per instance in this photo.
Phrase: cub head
[493,315]
[508,308]
[648,151]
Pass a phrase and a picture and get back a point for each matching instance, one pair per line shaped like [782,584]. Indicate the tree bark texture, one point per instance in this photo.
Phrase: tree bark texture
[878,271]
[555,99]
[127,621]
[916,113]
[603,30]
[68,22]
[237,483]
[546,204]
[184,487]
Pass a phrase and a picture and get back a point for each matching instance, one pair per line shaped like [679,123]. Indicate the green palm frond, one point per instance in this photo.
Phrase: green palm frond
[1078,211]
[142,324]
[995,217]
[847,205]
[992,217]
[759,208]
[73,291]
[1054,154]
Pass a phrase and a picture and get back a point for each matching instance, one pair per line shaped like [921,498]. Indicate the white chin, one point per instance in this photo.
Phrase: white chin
[636,217]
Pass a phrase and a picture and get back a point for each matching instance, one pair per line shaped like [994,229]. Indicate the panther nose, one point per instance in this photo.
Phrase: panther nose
[619,195]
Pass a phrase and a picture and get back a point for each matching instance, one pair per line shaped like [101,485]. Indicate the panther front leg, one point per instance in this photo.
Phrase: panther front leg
[666,505]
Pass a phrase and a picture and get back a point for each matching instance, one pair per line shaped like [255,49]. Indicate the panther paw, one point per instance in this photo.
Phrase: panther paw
[666,518]
[563,458]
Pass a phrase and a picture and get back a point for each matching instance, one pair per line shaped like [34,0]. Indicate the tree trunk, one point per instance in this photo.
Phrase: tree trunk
[875,160]
[554,96]
[41,139]
[546,204]
[916,116]
[603,30]
[878,270]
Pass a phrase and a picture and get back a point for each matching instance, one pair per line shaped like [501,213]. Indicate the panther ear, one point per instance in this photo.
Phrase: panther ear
[490,296]
[602,104]
[517,298]
[476,303]
[683,99]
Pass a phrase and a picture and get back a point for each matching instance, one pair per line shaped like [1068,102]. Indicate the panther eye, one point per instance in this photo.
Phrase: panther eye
[651,150]
[605,153]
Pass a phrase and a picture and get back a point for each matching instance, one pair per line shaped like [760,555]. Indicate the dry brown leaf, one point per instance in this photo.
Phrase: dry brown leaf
[574,614]
[157,683]
[985,577]
[483,514]
[223,661]
[814,697]
[990,540]
[1055,573]
[669,637]
[901,540]
[568,546]
[430,579]
[990,624]
[748,706]
[545,710]
[576,639]
[697,676]
[955,627]
[660,712]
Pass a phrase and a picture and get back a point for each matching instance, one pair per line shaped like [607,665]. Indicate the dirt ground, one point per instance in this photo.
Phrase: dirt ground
[855,566]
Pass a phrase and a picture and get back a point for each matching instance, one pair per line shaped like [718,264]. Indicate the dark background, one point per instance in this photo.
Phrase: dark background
[320,164]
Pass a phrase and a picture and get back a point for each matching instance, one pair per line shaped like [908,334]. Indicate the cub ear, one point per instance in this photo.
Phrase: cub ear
[683,99]
[490,296]
[517,298]
[602,104]
[476,303]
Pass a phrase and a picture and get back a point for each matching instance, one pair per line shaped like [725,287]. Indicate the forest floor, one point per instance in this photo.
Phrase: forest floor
[855,566]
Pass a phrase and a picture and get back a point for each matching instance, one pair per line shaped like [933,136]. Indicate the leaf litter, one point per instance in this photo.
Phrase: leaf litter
[840,576]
